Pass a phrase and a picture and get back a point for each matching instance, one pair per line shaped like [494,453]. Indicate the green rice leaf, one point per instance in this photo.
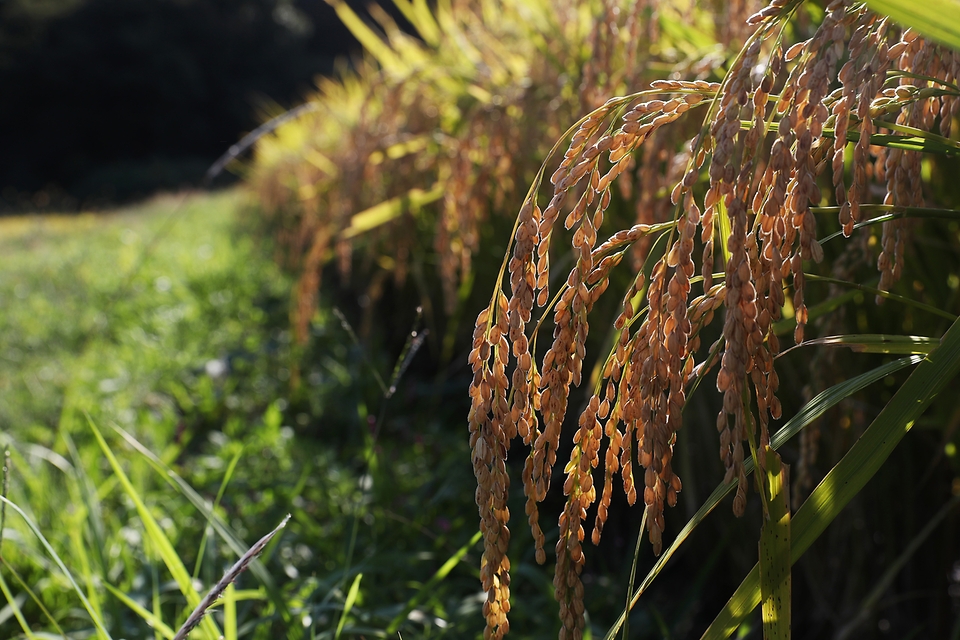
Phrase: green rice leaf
[787,325]
[348,604]
[883,294]
[935,19]
[922,141]
[367,37]
[775,551]
[849,476]
[418,14]
[723,227]
[819,405]
[875,343]
[889,212]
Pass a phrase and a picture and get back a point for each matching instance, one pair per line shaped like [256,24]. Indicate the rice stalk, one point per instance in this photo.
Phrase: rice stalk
[780,117]
[426,143]
[845,480]
[810,412]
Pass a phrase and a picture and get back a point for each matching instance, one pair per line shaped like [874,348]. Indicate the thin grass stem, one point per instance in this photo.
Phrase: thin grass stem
[633,572]
[229,577]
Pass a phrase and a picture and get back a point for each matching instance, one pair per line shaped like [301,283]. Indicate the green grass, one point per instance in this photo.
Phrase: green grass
[123,312]
[167,326]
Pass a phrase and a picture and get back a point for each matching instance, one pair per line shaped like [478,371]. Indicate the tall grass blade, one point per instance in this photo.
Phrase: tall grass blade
[810,412]
[83,559]
[97,622]
[155,596]
[6,485]
[229,613]
[930,17]
[348,604]
[216,502]
[18,614]
[204,507]
[437,578]
[83,492]
[150,617]
[775,583]
[160,541]
[33,596]
[854,470]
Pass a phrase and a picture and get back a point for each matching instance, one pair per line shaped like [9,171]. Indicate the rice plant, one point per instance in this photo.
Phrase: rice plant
[854,107]
[415,155]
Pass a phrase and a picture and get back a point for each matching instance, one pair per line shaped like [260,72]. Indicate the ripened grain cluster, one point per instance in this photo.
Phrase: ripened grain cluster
[742,189]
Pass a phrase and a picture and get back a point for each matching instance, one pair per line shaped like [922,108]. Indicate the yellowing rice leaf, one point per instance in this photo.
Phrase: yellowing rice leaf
[380,214]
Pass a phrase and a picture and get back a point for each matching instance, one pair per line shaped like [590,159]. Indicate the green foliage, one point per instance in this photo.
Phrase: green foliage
[848,477]
[775,578]
[931,18]
[205,443]
[107,317]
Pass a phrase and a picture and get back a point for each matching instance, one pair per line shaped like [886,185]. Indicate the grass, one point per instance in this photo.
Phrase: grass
[156,338]
[108,310]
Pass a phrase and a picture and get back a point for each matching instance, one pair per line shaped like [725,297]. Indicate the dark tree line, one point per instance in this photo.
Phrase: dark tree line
[103,100]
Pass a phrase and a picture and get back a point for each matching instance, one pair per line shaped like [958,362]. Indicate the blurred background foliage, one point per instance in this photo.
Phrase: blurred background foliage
[204,328]
[419,156]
